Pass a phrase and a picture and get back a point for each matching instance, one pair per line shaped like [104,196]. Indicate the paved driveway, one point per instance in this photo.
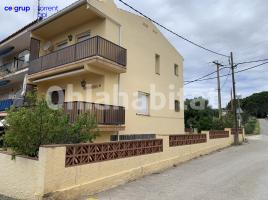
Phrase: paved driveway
[236,173]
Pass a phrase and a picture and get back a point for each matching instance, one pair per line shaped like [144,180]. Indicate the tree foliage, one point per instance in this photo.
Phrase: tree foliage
[256,105]
[199,115]
[30,127]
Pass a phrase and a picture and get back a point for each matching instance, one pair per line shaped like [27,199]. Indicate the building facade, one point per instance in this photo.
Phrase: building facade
[14,65]
[93,56]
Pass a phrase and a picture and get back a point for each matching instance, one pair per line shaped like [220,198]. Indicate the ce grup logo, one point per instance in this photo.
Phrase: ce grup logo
[17,8]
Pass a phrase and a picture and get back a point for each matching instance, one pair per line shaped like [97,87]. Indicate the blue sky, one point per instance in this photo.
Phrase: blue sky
[222,25]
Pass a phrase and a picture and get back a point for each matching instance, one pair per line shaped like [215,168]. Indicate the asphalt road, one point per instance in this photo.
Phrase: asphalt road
[264,126]
[236,173]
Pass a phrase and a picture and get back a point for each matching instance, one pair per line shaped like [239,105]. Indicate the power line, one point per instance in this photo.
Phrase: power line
[171,31]
[208,79]
[201,78]
[226,79]
[251,67]
[246,69]
[248,62]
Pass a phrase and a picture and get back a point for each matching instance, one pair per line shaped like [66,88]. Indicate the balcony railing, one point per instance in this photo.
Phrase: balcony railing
[12,67]
[104,114]
[6,69]
[95,46]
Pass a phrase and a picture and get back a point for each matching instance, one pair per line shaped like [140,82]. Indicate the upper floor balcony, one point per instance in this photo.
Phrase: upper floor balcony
[73,40]
[11,67]
[95,51]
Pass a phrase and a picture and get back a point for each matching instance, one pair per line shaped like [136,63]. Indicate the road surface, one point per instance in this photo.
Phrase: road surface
[236,173]
[264,126]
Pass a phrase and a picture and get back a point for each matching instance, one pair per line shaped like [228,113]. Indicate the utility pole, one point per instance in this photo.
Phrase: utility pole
[218,65]
[232,105]
[236,136]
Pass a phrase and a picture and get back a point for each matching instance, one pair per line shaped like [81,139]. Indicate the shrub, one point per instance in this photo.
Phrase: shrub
[218,124]
[30,127]
[251,125]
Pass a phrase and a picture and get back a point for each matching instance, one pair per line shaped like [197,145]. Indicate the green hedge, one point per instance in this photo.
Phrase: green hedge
[251,126]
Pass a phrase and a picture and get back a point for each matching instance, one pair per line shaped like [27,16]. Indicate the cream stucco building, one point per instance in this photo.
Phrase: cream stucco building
[93,54]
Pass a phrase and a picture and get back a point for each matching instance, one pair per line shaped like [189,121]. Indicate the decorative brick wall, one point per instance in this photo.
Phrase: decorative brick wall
[240,131]
[218,134]
[91,153]
[180,140]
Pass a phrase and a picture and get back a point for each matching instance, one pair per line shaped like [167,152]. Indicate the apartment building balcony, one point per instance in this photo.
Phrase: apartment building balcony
[13,67]
[95,51]
[108,117]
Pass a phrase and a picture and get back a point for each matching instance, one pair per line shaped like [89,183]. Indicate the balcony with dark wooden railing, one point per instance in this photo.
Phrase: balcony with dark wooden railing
[12,66]
[93,48]
[104,114]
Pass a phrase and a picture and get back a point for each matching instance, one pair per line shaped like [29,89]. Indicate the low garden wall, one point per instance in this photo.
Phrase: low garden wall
[68,171]
[19,177]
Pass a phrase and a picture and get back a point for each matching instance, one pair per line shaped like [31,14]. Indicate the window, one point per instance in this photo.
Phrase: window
[22,60]
[82,37]
[144,99]
[157,64]
[56,97]
[176,70]
[61,45]
[177,106]
[24,56]
[27,58]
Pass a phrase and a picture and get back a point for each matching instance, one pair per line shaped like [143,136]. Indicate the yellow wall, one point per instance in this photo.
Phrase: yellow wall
[103,81]
[142,43]
[19,178]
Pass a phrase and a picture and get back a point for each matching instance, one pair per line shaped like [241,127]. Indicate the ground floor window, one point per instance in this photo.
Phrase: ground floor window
[144,103]
[177,106]
[57,97]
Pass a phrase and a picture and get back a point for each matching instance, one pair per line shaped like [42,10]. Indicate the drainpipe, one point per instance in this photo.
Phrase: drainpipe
[118,81]
[118,99]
